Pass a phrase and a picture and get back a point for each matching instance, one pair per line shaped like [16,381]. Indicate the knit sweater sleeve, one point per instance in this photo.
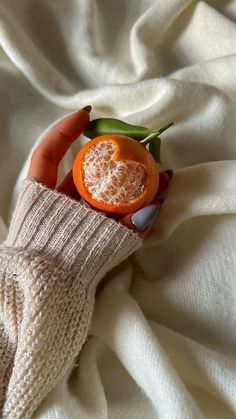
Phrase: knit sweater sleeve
[56,252]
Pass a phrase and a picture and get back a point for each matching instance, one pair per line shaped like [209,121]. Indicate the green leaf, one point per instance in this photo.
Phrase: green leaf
[103,126]
[155,149]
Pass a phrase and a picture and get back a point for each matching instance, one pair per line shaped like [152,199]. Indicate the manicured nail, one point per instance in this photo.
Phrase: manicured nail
[161,199]
[87,108]
[170,173]
[142,218]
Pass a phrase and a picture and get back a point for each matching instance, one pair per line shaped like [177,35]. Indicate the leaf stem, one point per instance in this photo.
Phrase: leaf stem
[164,128]
[147,140]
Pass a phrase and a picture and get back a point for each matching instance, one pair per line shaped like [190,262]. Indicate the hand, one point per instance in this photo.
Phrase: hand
[47,156]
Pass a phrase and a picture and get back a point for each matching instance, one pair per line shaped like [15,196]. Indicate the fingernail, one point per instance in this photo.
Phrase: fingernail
[161,199]
[170,173]
[142,218]
[87,108]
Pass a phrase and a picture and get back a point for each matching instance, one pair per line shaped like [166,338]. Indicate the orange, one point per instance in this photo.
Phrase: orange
[116,174]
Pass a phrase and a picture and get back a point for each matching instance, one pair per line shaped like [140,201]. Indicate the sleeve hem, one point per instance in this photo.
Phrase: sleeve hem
[77,237]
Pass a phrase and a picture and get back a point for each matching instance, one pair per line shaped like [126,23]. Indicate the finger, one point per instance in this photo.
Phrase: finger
[141,221]
[164,180]
[159,199]
[68,187]
[47,156]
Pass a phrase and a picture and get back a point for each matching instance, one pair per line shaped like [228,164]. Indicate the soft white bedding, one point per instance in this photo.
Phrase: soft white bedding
[163,339]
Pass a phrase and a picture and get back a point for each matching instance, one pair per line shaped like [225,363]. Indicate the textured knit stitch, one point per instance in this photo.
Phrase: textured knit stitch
[56,252]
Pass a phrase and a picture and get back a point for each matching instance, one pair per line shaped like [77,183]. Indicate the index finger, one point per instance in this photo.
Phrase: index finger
[47,156]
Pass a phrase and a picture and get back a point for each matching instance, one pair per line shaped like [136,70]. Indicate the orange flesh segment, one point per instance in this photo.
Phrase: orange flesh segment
[110,181]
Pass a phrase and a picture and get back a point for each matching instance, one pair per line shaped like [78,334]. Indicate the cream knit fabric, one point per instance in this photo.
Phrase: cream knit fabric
[162,342]
[56,252]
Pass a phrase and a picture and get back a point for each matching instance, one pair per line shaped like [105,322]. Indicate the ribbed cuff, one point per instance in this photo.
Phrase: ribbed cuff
[80,239]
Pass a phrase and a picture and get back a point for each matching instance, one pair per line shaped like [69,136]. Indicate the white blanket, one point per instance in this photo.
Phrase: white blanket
[163,339]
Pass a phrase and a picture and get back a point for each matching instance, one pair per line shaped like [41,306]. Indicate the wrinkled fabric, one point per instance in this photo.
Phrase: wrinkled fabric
[163,339]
